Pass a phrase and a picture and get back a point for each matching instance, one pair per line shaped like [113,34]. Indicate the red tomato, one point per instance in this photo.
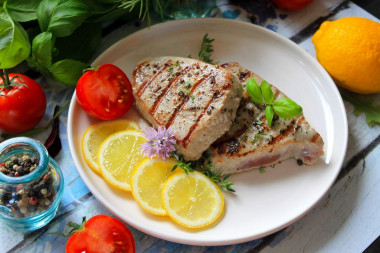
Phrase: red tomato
[105,93]
[292,5]
[21,106]
[101,234]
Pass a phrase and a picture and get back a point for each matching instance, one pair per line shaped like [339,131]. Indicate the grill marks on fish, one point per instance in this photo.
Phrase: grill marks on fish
[179,108]
[145,84]
[186,94]
[166,90]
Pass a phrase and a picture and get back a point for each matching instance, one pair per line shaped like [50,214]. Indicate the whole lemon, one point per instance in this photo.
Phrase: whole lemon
[349,49]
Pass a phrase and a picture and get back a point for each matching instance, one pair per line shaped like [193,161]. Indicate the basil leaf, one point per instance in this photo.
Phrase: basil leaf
[267,92]
[61,17]
[67,71]
[286,108]
[42,47]
[14,42]
[22,10]
[269,114]
[254,91]
[80,45]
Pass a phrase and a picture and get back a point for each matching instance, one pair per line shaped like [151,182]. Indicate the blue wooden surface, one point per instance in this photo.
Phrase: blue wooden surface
[336,215]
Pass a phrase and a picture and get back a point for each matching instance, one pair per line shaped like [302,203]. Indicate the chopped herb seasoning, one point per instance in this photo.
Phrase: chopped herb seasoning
[186,92]
[262,170]
[187,84]
[256,137]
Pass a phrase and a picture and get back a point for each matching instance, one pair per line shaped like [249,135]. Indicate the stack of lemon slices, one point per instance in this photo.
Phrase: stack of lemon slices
[112,149]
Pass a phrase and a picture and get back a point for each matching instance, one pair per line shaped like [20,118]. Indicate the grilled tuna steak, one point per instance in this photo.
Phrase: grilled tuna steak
[251,143]
[198,101]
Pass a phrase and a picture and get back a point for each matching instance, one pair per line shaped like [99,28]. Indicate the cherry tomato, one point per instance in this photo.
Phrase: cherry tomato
[105,92]
[101,234]
[292,5]
[21,106]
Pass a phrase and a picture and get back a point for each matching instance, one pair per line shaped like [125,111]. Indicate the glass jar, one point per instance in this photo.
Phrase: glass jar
[31,184]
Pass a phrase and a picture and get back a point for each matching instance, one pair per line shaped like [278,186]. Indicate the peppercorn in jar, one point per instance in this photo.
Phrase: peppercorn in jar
[31,184]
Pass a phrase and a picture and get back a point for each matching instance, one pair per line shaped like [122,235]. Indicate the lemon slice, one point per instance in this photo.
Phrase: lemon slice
[97,133]
[192,200]
[147,181]
[118,155]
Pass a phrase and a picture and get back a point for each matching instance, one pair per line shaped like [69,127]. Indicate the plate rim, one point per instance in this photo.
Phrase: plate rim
[283,39]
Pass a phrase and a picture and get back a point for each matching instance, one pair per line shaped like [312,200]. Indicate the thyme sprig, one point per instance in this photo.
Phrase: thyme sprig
[205,166]
[217,177]
[182,163]
[206,49]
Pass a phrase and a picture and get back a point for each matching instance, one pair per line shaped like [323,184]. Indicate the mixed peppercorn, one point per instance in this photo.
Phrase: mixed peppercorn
[26,199]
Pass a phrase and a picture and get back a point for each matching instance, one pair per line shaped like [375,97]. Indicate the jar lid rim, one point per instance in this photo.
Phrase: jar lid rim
[42,164]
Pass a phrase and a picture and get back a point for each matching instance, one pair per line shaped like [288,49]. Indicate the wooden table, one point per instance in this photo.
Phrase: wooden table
[346,220]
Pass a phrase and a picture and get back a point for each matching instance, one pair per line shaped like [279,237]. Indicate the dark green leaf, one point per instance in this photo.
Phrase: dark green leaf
[363,104]
[267,92]
[41,48]
[254,91]
[22,10]
[14,42]
[80,45]
[286,108]
[269,114]
[67,71]
[61,17]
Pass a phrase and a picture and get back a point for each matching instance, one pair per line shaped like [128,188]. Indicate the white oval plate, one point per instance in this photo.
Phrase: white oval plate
[263,203]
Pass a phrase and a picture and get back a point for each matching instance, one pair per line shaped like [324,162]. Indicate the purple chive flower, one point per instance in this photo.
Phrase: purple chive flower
[160,142]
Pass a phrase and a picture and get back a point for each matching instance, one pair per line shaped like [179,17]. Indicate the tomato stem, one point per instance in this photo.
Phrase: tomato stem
[4,76]
[74,228]
[90,68]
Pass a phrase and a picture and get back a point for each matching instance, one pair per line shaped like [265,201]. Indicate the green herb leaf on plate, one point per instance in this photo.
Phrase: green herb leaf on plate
[267,92]
[206,49]
[254,91]
[269,113]
[286,108]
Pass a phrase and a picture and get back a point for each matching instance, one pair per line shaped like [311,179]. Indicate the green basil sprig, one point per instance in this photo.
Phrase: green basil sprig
[263,94]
